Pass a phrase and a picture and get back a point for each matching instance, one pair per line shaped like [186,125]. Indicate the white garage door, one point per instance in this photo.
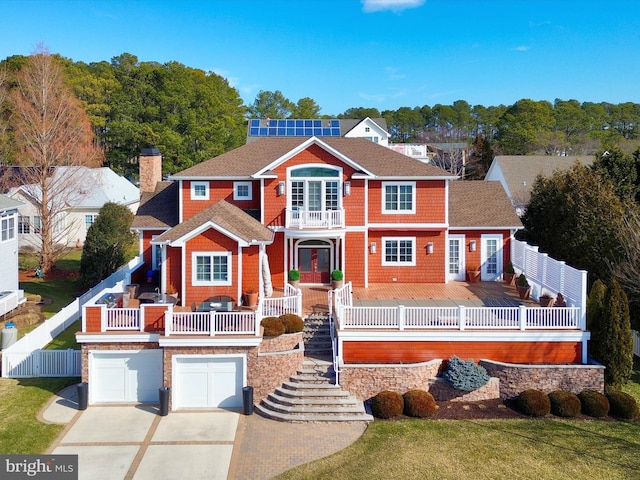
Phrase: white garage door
[125,376]
[208,381]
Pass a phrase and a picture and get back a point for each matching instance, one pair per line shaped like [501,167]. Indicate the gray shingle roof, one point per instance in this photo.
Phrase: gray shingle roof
[477,203]
[158,210]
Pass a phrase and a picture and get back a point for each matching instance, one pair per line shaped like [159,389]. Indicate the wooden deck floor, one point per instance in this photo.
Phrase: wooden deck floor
[314,298]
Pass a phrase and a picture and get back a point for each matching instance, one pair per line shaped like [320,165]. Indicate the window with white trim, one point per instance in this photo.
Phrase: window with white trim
[211,268]
[399,251]
[398,197]
[8,227]
[199,190]
[242,191]
[37,224]
[89,220]
[24,225]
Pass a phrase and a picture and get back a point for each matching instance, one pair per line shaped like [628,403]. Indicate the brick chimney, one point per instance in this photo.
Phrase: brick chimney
[150,164]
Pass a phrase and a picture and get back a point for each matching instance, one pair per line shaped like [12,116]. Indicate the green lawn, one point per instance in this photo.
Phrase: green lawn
[485,449]
[20,430]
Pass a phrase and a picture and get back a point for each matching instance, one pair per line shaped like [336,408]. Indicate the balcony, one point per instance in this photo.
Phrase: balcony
[315,219]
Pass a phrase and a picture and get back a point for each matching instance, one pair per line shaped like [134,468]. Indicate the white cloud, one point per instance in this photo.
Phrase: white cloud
[393,5]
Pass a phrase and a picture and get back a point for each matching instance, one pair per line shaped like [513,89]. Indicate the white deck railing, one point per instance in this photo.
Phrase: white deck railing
[122,318]
[458,318]
[211,323]
[315,219]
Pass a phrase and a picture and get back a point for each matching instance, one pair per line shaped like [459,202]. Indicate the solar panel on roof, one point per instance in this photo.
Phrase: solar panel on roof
[294,128]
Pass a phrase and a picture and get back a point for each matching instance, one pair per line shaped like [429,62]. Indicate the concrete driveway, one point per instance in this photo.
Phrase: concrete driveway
[134,442]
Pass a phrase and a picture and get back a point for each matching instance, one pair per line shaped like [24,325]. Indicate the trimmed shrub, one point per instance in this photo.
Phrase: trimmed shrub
[564,403]
[622,405]
[273,326]
[418,403]
[465,375]
[533,403]
[387,404]
[594,403]
[292,323]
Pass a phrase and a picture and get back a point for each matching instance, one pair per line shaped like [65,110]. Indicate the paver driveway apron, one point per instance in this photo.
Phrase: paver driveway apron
[118,442]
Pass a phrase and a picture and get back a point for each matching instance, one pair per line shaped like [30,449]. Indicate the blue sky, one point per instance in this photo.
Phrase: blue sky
[350,53]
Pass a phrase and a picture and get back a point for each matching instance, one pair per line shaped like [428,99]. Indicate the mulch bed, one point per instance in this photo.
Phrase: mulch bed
[485,409]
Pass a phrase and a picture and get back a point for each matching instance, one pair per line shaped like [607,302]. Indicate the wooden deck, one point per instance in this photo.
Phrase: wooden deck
[314,298]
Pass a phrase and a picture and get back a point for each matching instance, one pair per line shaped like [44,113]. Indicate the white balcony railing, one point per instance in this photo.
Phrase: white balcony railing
[315,219]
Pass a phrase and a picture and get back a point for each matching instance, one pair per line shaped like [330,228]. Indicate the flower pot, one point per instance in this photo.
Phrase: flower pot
[336,284]
[546,301]
[509,278]
[474,276]
[251,299]
[294,283]
[524,292]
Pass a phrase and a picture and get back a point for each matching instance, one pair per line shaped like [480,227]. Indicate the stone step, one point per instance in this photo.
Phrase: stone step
[307,393]
[321,371]
[318,409]
[310,386]
[315,363]
[314,378]
[308,400]
[303,418]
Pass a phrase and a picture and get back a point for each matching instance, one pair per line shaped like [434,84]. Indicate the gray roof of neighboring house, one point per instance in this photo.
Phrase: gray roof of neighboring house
[93,187]
[249,159]
[8,203]
[520,171]
[477,203]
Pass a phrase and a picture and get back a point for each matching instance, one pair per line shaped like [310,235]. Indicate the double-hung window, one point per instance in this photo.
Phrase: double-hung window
[400,251]
[315,188]
[8,227]
[199,190]
[398,197]
[211,268]
[89,220]
[24,226]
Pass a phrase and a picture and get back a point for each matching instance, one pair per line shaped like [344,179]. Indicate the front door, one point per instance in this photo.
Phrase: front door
[491,257]
[314,265]
[456,257]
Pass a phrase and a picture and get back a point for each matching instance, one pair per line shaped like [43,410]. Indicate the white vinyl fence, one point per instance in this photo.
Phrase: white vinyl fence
[43,363]
[636,343]
[22,359]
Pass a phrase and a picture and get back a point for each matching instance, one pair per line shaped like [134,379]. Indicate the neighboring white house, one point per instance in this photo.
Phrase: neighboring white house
[517,173]
[78,194]
[10,295]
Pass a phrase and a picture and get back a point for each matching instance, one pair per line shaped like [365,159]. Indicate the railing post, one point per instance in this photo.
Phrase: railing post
[462,316]
[168,322]
[400,317]
[212,324]
[257,315]
[103,319]
[522,317]
[299,302]
[141,318]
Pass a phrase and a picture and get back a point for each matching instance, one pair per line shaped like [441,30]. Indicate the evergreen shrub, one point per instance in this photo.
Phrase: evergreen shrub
[273,326]
[387,404]
[465,375]
[292,323]
[534,403]
[418,403]
[622,405]
[594,403]
[564,403]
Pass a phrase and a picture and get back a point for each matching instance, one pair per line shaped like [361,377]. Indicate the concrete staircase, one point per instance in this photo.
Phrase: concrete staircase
[317,337]
[312,396]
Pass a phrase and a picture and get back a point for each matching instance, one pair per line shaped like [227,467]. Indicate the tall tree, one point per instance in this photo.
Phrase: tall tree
[51,130]
[106,244]
[620,168]
[360,113]
[574,215]
[271,105]
[306,108]
[521,126]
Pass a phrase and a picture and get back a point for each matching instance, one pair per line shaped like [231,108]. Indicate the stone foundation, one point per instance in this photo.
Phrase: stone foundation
[443,391]
[514,378]
[366,381]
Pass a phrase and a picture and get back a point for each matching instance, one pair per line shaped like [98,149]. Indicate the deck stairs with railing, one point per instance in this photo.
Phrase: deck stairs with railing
[312,396]
[317,337]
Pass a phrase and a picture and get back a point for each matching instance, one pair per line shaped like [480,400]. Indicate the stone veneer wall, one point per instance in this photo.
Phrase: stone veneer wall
[514,378]
[443,391]
[366,381]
